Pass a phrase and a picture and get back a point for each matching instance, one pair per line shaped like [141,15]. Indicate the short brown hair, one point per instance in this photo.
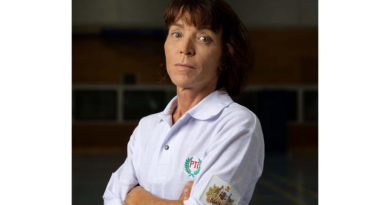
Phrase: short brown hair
[237,56]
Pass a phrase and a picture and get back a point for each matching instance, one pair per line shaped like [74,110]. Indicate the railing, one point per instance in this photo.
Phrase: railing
[170,91]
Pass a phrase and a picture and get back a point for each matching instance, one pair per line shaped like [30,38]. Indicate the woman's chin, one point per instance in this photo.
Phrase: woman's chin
[182,82]
[183,85]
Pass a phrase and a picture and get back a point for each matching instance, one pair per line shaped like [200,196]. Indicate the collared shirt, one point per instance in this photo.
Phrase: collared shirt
[215,137]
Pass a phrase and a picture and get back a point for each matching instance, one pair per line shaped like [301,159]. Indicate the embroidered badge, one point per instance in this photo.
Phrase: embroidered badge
[192,164]
[218,195]
[219,192]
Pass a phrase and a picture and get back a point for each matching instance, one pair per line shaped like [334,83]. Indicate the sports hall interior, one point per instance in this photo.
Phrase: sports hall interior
[117,52]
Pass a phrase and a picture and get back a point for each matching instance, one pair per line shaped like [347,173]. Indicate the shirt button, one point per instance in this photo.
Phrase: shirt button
[166,147]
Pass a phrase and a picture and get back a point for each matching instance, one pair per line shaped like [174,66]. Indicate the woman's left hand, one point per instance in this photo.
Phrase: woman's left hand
[135,195]
[186,191]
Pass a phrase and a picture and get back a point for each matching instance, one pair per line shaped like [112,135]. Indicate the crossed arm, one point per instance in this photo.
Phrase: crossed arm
[139,196]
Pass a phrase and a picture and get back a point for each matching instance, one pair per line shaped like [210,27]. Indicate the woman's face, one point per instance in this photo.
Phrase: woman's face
[192,56]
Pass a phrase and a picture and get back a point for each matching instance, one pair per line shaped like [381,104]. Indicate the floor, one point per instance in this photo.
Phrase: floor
[287,178]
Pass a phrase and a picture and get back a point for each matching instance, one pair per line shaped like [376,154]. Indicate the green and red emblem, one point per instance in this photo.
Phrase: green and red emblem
[192,164]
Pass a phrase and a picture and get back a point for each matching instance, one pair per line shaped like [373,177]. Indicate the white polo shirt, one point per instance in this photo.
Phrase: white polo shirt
[216,137]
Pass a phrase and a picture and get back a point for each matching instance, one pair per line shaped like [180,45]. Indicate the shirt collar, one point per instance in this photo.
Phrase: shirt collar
[207,108]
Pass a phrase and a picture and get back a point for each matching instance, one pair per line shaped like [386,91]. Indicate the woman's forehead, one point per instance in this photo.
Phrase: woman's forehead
[187,20]
[182,22]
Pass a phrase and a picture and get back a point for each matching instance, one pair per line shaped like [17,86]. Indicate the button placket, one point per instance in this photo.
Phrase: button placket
[160,165]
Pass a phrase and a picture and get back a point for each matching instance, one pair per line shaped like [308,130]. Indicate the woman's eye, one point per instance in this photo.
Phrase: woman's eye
[205,39]
[176,34]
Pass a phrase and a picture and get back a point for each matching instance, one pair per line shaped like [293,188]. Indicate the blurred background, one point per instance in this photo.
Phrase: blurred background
[117,48]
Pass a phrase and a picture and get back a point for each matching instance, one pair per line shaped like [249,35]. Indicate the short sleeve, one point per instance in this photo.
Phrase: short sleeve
[236,156]
[124,179]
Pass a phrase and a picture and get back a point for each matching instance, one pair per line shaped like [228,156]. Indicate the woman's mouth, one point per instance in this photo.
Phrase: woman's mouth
[184,66]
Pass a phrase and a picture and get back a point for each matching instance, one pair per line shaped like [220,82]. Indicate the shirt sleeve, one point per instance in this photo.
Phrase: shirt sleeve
[236,156]
[124,179]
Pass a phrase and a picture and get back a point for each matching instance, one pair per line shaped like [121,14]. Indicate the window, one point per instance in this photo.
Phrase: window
[94,105]
[310,106]
[138,104]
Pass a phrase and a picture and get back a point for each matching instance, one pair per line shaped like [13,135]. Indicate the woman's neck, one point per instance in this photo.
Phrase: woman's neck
[187,99]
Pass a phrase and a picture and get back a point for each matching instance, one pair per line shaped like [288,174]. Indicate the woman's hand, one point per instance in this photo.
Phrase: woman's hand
[135,195]
[186,191]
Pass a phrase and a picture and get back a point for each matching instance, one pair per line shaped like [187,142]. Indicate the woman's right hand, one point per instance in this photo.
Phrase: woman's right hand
[186,191]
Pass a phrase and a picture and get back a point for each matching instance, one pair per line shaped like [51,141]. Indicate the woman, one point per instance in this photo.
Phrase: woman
[203,148]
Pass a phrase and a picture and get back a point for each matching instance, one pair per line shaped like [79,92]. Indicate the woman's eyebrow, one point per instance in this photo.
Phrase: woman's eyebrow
[207,28]
[204,28]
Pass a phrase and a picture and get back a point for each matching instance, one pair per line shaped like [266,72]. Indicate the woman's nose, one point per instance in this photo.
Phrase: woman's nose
[187,48]
[188,53]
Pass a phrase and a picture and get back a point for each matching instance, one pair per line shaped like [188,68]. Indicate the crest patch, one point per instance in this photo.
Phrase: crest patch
[219,192]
